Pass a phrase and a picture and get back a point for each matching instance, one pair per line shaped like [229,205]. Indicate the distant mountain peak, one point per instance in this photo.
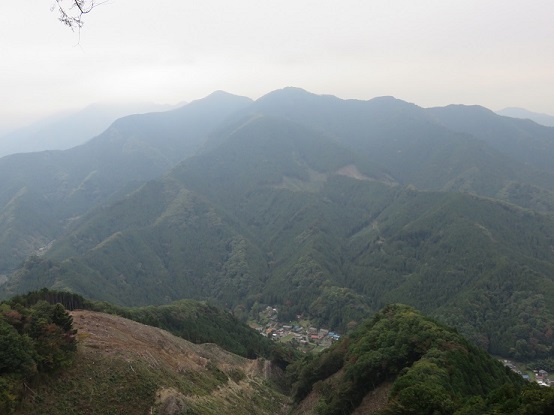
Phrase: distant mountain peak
[475,109]
[540,118]
[293,88]
[386,98]
[220,96]
[289,91]
[221,93]
[389,102]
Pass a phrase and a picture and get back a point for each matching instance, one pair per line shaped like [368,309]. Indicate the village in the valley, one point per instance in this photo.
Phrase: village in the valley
[304,337]
[537,375]
[300,334]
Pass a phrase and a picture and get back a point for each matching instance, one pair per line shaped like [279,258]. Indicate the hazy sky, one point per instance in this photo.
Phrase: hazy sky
[496,53]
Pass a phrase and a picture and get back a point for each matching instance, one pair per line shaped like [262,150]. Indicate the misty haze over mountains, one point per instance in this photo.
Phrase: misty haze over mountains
[64,131]
[312,203]
[61,132]
[378,241]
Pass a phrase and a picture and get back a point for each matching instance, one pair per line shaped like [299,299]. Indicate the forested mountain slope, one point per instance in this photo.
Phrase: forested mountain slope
[456,148]
[522,140]
[41,192]
[450,149]
[280,213]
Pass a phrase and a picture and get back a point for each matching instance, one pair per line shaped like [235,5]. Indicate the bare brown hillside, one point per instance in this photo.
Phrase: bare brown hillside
[124,367]
[129,340]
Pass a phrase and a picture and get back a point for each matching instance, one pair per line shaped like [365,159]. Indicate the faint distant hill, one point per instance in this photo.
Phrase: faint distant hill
[544,119]
[69,130]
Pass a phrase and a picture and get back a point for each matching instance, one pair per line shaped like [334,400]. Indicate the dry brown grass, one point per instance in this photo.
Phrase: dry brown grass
[145,370]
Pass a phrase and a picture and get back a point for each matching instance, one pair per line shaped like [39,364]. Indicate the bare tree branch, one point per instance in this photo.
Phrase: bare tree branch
[71,12]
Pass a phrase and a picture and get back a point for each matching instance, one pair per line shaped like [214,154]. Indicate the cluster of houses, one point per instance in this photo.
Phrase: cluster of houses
[540,376]
[296,334]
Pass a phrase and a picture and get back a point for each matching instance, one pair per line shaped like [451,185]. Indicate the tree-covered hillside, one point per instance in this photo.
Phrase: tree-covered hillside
[456,148]
[315,205]
[34,341]
[522,140]
[451,149]
[280,214]
[400,362]
[41,193]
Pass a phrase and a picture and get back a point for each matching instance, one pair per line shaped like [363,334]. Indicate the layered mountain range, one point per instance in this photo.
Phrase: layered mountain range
[316,205]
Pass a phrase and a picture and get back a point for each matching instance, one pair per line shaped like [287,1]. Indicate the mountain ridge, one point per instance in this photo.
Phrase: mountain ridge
[259,214]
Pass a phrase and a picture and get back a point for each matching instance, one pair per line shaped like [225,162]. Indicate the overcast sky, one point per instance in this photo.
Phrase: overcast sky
[495,53]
